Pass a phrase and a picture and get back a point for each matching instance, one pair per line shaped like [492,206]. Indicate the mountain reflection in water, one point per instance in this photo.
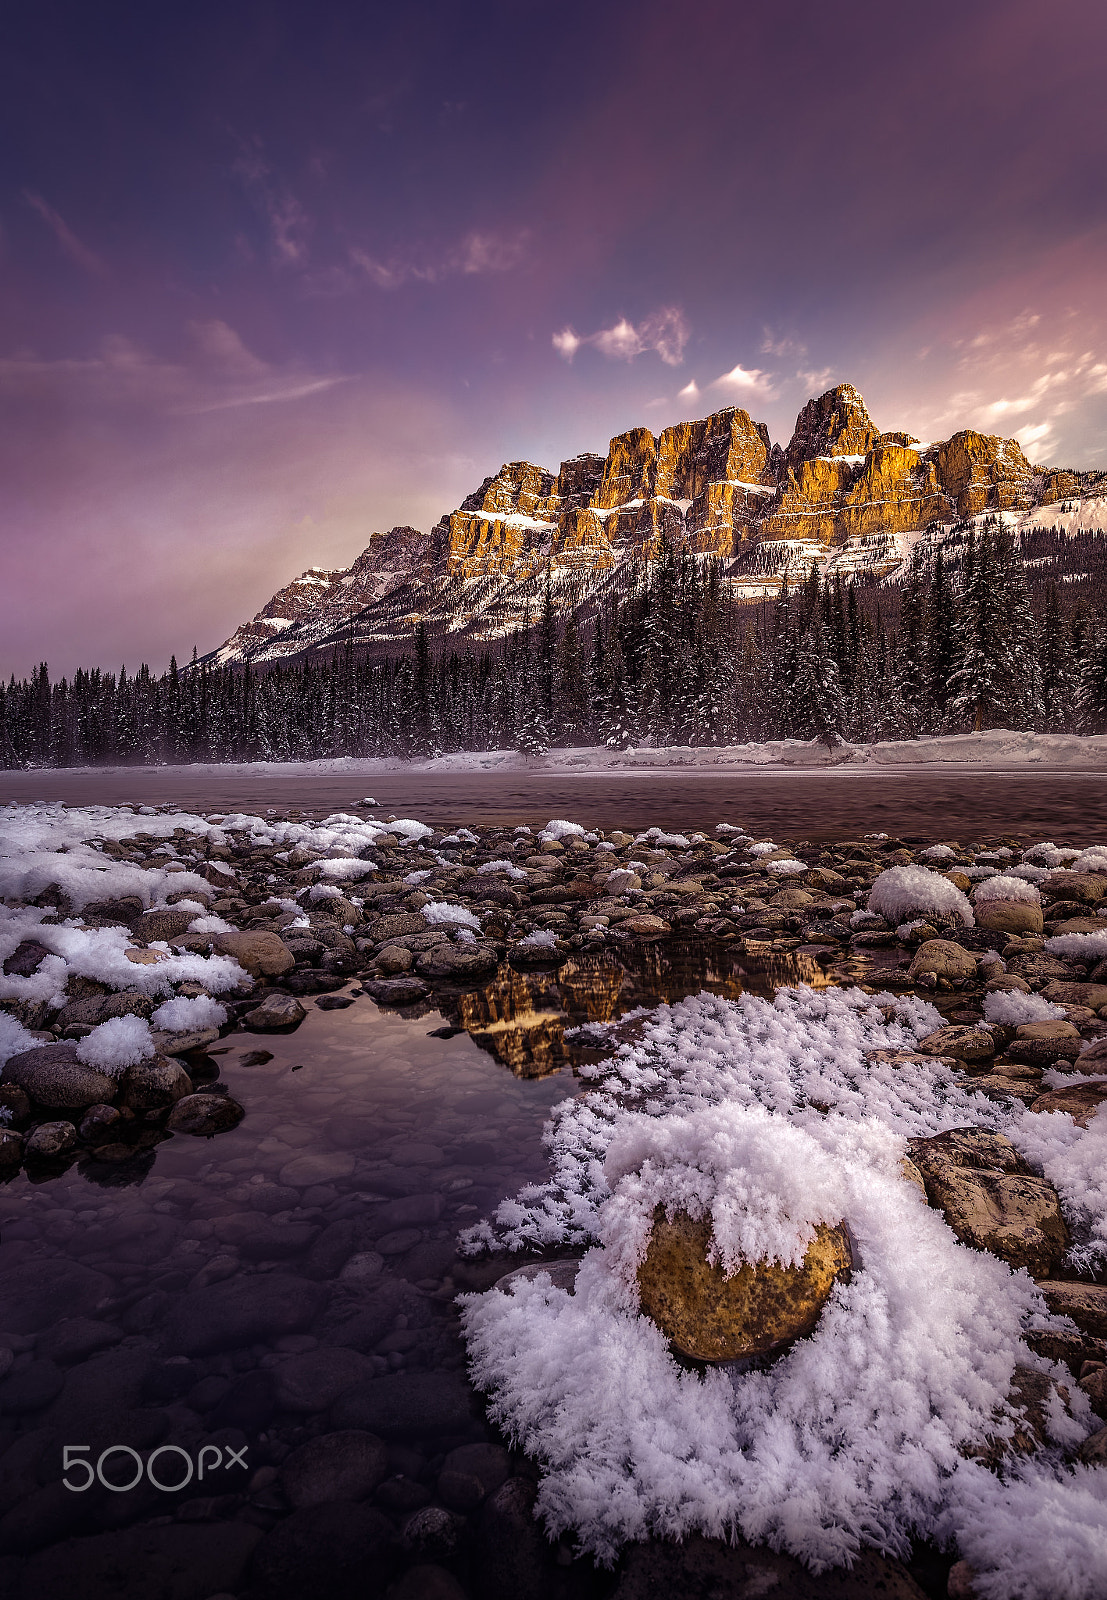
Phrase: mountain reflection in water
[521,1018]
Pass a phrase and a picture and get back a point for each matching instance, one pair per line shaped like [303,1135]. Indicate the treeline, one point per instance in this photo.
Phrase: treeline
[675,660]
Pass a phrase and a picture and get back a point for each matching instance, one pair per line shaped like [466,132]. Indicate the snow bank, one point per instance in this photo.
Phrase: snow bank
[1006,888]
[189,1015]
[772,1117]
[901,892]
[117,1044]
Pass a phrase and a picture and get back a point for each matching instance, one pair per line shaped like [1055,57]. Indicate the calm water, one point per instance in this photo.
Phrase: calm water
[843,802]
[296,1275]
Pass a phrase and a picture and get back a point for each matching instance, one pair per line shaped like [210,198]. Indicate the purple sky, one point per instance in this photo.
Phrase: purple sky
[276,275]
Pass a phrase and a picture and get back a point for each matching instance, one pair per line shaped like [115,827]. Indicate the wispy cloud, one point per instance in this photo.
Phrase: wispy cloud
[218,373]
[73,247]
[664,331]
[476,253]
[784,347]
[739,380]
[287,220]
[690,391]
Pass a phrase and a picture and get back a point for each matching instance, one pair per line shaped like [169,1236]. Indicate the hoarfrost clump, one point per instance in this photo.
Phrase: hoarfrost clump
[858,919]
[508,868]
[765,848]
[664,841]
[906,929]
[14,1037]
[1047,854]
[441,913]
[188,1014]
[1078,946]
[1093,859]
[347,869]
[1006,888]
[788,868]
[901,893]
[210,924]
[1013,1008]
[539,939]
[939,852]
[117,1044]
[772,1118]
[560,830]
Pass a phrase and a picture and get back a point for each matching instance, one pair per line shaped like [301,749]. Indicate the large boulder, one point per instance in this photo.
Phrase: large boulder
[264,955]
[52,1075]
[1009,916]
[759,1309]
[991,1198]
[1087,887]
[1092,995]
[943,959]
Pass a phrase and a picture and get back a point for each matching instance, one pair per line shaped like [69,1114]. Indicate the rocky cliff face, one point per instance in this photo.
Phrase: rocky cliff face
[716,485]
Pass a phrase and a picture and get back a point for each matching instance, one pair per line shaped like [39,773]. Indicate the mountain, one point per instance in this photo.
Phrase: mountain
[842,493]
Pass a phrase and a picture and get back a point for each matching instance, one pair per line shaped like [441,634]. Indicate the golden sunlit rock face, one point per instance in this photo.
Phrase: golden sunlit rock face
[718,483]
[715,486]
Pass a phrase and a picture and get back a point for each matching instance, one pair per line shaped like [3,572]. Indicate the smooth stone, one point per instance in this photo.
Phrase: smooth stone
[412,1404]
[1081,1100]
[470,1474]
[179,1044]
[944,959]
[1092,995]
[11,1149]
[38,1293]
[277,1011]
[347,1465]
[205,1115]
[392,960]
[434,1533]
[458,961]
[1085,1303]
[152,1085]
[1008,916]
[395,991]
[313,1381]
[52,1075]
[1040,1044]
[49,1140]
[29,1389]
[180,1561]
[242,1310]
[318,1166]
[322,1550]
[77,1338]
[263,955]
[562,1275]
[699,1567]
[962,1042]
[761,1307]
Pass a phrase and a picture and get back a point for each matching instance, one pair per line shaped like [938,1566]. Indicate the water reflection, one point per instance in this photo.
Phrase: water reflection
[521,1018]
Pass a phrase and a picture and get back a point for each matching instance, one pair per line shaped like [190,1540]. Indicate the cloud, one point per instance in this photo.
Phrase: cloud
[742,381]
[476,253]
[689,392]
[664,331]
[783,348]
[85,258]
[287,221]
[217,373]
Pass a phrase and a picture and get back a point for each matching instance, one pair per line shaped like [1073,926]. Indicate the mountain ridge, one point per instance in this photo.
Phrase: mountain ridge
[842,491]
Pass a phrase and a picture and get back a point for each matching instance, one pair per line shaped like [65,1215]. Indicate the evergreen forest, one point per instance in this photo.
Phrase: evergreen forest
[963,640]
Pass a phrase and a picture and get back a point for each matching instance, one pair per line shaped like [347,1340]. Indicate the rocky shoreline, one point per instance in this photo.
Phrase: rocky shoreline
[417,918]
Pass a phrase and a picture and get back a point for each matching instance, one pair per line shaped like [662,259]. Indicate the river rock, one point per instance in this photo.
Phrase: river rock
[1080,1100]
[762,1307]
[470,1474]
[963,1042]
[276,1012]
[385,928]
[25,959]
[179,1044]
[394,959]
[1040,1044]
[313,1381]
[151,1085]
[38,1293]
[1085,1303]
[1092,995]
[179,1561]
[458,962]
[264,955]
[407,1403]
[1009,916]
[1037,968]
[322,1550]
[991,1198]
[1089,888]
[944,959]
[240,1311]
[50,1140]
[347,1465]
[645,925]
[163,925]
[52,1075]
[702,1568]
[205,1115]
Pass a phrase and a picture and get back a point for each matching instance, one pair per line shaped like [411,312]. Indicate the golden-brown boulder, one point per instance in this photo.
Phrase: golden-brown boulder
[758,1310]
